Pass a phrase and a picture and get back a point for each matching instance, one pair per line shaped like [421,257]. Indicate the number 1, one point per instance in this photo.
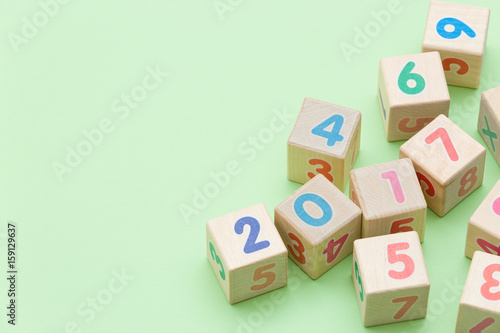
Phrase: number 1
[397,190]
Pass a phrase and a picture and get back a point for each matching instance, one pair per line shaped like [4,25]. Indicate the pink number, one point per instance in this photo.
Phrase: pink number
[487,246]
[442,133]
[393,178]
[332,244]
[490,282]
[393,258]
[496,206]
[482,325]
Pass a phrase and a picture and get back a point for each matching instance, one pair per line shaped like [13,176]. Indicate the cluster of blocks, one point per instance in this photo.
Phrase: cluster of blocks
[382,222]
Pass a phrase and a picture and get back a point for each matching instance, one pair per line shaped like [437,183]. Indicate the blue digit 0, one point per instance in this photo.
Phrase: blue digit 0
[334,135]
[458,26]
[320,202]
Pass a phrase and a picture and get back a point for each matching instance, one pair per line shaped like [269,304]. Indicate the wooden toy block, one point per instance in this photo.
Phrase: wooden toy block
[390,198]
[412,91]
[318,225]
[483,232]
[449,163]
[390,278]
[458,32]
[246,253]
[488,123]
[324,140]
[479,309]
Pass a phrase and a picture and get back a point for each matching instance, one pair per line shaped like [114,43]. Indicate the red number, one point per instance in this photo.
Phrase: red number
[442,133]
[325,170]
[487,246]
[354,147]
[397,190]
[396,225]
[490,282]
[299,247]
[419,124]
[482,325]
[332,244]
[259,274]
[354,198]
[410,300]
[470,177]
[393,258]
[430,191]
[464,67]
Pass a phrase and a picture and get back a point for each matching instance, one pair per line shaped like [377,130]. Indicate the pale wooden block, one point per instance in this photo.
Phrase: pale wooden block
[412,91]
[333,153]
[483,232]
[488,123]
[318,225]
[479,309]
[458,32]
[246,253]
[390,278]
[449,163]
[390,198]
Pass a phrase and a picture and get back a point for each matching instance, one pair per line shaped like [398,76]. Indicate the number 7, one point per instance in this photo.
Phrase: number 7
[410,300]
[442,133]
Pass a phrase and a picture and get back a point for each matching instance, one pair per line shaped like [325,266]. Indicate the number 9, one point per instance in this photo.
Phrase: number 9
[458,25]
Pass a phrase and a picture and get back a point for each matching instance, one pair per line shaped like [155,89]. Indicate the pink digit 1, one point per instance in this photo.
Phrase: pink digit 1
[393,178]
[442,133]
[496,206]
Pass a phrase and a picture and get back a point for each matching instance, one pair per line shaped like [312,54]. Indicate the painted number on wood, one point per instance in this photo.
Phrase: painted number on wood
[458,28]
[325,168]
[442,133]
[463,66]
[260,273]
[397,226]
[419,124]
[482,325]
[397,190]
[430,191]
[490,282]
[334,135]
[217,260]
[393,257]
[358,278]
[251,245]
[406,76]
[488,247]
[334,247]
[298,249]
[467,182]
[409,301]
[320,202]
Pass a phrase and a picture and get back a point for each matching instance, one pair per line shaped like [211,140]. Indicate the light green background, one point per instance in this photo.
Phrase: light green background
[119,209]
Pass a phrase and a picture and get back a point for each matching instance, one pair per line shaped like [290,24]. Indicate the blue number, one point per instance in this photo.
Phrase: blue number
[334,136]
[458,25]
[251,245]
[304,216]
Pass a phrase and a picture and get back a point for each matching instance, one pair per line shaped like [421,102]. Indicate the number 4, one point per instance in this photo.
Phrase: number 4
[334,135]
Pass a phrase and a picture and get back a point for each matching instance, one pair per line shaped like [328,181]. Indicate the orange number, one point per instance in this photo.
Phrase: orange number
[470,177]
[410,300]
[259,274]
[299,247]
[325,170]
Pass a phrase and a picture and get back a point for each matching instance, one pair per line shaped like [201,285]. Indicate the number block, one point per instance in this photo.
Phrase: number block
[458,32]
[479,309]
[390,278]
[318,224]
[412,91]
[449,163]
[483,233]
[246,253]
[324,140]
[390,198]
[488,123]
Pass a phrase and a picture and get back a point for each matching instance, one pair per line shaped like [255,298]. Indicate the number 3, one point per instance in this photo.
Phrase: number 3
[325,170]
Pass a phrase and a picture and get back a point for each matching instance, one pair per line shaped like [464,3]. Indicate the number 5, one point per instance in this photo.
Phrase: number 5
[259,274]
[393,258]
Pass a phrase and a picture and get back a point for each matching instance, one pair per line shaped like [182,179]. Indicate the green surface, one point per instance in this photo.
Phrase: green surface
[118,208]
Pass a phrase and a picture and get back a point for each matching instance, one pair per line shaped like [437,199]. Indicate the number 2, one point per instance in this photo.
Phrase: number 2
[251,245]
[334,136]
[442,133]
[397,190]
[393,258]
[490,282]
[259,274]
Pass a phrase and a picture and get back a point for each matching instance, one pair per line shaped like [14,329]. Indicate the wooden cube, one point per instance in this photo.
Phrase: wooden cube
[488,123]
[246,253]
[483,233]
[390,198]
[479,309]
[324,140]
[449,163]
[412,91]
[318,225]
[390,278]
[458,32]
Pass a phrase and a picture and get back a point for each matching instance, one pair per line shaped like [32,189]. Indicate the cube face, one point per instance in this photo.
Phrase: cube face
[479,309]
[246,253]
[390,278]
[458,32]
[483,233]
[412,91]
[488,123]
[390,198]
[318,225]
[325,140]
[449,163]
